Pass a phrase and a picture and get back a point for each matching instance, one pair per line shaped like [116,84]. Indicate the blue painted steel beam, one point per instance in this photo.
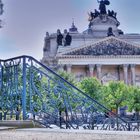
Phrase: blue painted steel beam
[24,89]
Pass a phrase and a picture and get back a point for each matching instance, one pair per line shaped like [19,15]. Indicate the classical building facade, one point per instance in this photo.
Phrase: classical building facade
[103,50]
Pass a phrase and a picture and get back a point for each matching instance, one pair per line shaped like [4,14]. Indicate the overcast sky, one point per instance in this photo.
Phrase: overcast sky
[26,21]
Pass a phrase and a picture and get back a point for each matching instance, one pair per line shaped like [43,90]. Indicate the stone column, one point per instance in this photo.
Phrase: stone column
[118,71]
[69,68]
[61,67]
[99,71]
[133,74]
[91,69]
[125,71]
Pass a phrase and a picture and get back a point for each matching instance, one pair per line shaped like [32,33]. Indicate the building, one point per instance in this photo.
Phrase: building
[102,50]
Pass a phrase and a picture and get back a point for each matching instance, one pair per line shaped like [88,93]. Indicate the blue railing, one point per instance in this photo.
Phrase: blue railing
[30,90]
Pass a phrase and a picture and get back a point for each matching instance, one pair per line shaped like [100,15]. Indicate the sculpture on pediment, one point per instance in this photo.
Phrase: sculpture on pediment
[102,6]
[111,48]
[93,15]
[112,14]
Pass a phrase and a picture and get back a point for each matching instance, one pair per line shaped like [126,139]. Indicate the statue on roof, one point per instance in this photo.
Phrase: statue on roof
[46,42]
[1,7]
[112,14]
[1,12]
[102,6]
[68,40]
[59,38]
[110,32]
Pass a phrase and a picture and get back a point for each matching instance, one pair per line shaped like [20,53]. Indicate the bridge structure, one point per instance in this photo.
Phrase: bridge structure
[30,90]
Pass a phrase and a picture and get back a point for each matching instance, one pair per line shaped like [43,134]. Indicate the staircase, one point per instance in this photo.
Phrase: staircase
[31,91]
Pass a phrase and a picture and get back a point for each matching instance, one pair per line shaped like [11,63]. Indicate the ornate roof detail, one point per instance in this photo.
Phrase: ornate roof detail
[73,28]
[105,20]
[110,46]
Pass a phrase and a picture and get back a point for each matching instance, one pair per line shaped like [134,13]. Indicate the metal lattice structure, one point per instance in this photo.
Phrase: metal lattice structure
[30,90]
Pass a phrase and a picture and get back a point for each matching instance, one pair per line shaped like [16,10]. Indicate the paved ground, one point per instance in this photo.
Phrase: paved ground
[48,134]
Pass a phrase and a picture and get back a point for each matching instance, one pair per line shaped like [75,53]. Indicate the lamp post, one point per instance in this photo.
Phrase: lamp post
[1,12]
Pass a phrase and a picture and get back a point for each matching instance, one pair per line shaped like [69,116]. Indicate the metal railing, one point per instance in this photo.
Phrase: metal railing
[30,90]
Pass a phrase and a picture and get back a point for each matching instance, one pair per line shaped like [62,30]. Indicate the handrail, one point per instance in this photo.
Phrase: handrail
[54,73]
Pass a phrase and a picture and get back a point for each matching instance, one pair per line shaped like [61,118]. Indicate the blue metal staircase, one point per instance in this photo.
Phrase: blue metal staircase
[30,90]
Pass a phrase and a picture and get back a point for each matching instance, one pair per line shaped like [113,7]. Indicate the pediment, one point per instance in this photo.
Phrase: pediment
[106,20]
[109,46]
